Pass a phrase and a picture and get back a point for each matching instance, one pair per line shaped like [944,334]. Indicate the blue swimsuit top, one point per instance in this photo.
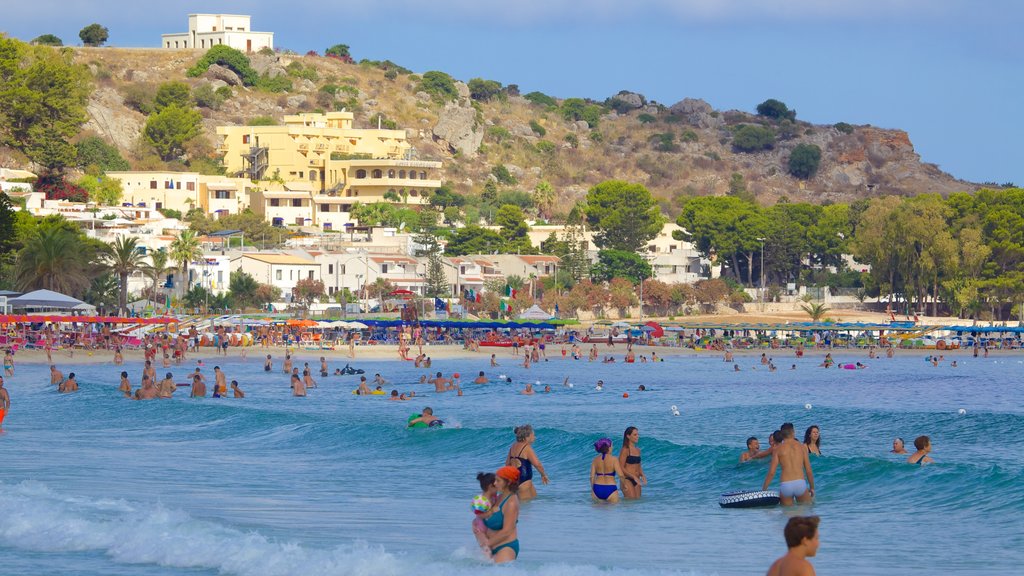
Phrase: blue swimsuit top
[525,466]
[497,520]
[612,473]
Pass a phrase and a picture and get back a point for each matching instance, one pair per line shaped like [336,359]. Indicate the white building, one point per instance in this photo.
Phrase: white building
[208,30]
[280,270]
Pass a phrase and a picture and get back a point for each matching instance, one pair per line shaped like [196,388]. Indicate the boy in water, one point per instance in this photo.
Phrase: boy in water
[793,458]
[802,540]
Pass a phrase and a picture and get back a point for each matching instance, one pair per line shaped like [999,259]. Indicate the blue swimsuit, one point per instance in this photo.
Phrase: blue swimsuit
[496,522]
[525,466]
[603,491]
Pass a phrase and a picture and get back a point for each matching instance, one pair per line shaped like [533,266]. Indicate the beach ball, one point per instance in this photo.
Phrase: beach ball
[674,408]
[456,375]
[537,383]
[481,503]
[961,411]
[625,394]
[570,384]
[808,406]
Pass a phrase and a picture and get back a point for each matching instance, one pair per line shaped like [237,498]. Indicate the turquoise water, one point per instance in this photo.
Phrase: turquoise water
[334,484]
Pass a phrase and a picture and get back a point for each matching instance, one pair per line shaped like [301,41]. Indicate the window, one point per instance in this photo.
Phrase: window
[391,173]
[342,268]
[401,173]
[159,205]
[190,186]
[220,277]
[361,174]
[325,207]
[414,193]
[222,194]
[177,185]
[302,174]
[296,202]
[313,175]
[423,175]
[245,138]
[275,202]
[330,268]
[291,274]
[310,274]
[383,268]
[152,184]
[279,275]
[378,174]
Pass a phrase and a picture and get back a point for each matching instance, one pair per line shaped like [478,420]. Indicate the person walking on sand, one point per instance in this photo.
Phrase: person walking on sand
[801,534]
[793,458]
[5,402]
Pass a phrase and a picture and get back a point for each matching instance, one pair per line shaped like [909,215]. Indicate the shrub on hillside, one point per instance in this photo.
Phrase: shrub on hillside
[439,85]
[172,93]
[93,151]
[48,40]
[575,109]
[843,127]
[772,108]
[275,85]
[804,160]
[503,175]
[297,70]
[646,118]
[537,128]
[206,97]
[688,136]
[261,121]
[139,97]
[484,90]
[94,35]
[750,138]
[228,57]
[541,99]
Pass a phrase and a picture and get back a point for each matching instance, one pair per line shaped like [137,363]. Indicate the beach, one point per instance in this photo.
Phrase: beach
[335,484]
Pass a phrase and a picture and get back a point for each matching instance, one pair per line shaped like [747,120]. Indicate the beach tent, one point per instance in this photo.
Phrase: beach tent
[46,299]
[535,313]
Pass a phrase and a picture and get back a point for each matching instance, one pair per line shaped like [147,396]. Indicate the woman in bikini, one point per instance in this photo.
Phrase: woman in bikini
[812,439]
[502,535]
[603,471]
[522,457]
[633,479]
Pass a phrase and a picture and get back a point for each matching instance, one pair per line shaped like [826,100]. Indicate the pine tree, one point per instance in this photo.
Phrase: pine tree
[576,262]
[436,280]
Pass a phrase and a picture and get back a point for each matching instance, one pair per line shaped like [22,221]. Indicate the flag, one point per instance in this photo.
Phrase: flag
[509,291]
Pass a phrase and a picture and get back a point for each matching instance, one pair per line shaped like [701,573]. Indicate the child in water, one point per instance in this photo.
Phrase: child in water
[482,504]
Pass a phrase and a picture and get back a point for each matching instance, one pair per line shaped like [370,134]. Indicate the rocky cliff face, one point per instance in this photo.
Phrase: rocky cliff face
[678,150]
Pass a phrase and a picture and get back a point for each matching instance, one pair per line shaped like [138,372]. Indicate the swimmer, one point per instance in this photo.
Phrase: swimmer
[488,497]
[735,367]
[802,540]
[795,463]
[525,460]
[600,385]
[220,383]
[547,388]
[198,387]
[379,380]
[69,385]
[364,388]
[5,402]
[603,471]
[754,451]
[481,379]
[641,388]
[897,446]
[494,361]
[812,440]
[287,363]
[953,364]
[921,457]
[307,379]
[268,364]
[502,535]
[426,417]
[236,391]
[56,376]
[323,367]
[528,390]
[166,387]
[125,387]
[298,388]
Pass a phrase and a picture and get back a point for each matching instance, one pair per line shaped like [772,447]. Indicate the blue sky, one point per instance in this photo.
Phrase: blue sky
[949,72]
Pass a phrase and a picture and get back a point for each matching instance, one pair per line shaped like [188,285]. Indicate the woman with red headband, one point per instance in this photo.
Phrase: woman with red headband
[502,535]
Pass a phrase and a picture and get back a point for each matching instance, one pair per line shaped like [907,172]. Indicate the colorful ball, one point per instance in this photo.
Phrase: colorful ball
[481,503]
[456,375]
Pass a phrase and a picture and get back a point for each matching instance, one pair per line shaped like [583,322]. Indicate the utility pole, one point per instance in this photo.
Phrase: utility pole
[762,273]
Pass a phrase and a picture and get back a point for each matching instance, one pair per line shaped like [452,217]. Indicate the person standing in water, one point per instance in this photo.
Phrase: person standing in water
[801,534]
[633,478]
[298,388]
[522,457]
[921,457]
[603,471]
[794,459]
[502,533]
[5,402]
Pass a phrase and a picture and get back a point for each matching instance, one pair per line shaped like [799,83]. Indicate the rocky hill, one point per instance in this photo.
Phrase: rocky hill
[676,150]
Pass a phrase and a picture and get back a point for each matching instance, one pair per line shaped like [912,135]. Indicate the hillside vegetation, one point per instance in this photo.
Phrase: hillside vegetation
[484,131]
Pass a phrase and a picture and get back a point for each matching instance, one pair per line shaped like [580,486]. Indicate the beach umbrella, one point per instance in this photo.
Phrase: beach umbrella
[620,324]
[361,326]
[654,328]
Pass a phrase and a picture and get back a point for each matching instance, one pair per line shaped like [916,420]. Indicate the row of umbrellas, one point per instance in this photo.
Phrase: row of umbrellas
[53,318]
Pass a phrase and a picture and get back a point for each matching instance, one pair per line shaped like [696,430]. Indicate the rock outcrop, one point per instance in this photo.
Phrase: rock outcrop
[222,73]
[456,130]
[109,117]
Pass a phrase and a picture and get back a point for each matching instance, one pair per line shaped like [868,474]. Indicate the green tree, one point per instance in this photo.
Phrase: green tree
[575,109]
[439,85]
[94,151]
[544,198]
[613,264]
[776,110]
[738,188]
[473,240]
[624,216]
[184,249]
[484,90]
[514,230]
[123,258]
[541,99]
[750,138]
[576,261]
[816,311]
[339,51]
[307,291]
[726,227]
[501,172]
[53,258]
[444,197]
[804,160]
[243,289]
[157,269]
[436,284]
[205,96]
[230,58]
[94,35]
[42,102]
[102,190]
[172,93]
[168,130]
[48,40]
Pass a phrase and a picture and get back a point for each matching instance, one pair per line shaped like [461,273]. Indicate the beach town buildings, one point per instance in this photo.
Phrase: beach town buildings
[183,191]
[208,30]
[326,166]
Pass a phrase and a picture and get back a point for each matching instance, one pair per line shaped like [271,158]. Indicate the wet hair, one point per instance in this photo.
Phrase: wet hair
[234,382]
[394,393]
[603,446]
[439,375]
[920,442]
[169,375]
[787,432]
[428,410]
[751,439]
[72,375]
[800,528]
[625,437]
[486,480]
[807,436]
[124,374]
[778,436]
[787,426]
[216,367]
[481,372]
[522,432]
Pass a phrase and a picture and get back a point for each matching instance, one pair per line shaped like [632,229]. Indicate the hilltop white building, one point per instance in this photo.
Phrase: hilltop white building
[208,30]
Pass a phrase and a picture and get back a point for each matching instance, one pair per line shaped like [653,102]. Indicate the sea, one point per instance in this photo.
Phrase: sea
[334,484]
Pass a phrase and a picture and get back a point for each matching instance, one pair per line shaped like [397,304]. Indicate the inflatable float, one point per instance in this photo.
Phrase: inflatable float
[434,424]
[749,499]
[373,393]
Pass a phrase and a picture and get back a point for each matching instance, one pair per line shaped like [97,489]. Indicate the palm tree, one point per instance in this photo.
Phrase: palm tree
[184,249]
[52,259]
[815,310]
[544,197]
[157,268]
[123,258]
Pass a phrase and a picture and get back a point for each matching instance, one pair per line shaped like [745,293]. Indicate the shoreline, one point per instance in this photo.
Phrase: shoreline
[457,352]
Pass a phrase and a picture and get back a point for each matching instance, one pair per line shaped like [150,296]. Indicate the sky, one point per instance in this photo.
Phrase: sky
[949,72]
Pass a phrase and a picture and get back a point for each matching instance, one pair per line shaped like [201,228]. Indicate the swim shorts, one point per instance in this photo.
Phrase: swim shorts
[3,414]
[793,488]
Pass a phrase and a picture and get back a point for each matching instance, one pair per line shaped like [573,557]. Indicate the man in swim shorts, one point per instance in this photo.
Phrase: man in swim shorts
[5,402]
[793,458]
[802,540]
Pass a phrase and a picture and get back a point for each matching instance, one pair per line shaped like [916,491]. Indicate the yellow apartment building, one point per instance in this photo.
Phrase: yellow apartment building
[338,164]
[214,195]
